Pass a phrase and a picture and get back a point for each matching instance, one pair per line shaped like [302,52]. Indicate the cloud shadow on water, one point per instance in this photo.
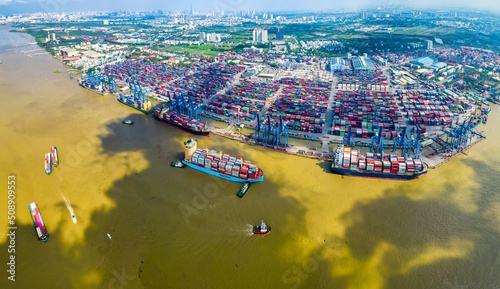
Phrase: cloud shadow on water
[397,241]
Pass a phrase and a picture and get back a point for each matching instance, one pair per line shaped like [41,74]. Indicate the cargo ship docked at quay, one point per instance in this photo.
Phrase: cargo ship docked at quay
[97,89]
[220,165]
[349,162]
[181,121]
[142,106]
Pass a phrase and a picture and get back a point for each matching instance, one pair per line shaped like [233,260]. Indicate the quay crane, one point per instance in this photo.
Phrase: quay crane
[400,141]
[277,130]
[378,140]
[347,140]
[179,104]
[408,148]
[136,90]
[413,146]
[460,137]
[112,87]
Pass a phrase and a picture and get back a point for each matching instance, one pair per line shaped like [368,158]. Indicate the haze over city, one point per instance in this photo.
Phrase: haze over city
[26,6]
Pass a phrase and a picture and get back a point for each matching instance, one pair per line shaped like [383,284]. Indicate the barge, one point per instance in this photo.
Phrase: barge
[37,219]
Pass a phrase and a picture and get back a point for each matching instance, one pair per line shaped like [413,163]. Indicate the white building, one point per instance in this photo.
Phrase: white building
[260,35]
[213,37]
[337,64]
[202,36]
[428,44]
[105,22]
[253,49]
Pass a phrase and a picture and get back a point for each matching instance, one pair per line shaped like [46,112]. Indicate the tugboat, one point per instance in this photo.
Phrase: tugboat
[243,189]
[177,164]
[128,121]
[55,156]
[262,229]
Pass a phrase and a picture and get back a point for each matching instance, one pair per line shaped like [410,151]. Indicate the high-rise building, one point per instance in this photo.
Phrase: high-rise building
[280,33]
[260,35]
[211,37]
[53,37]
[428,44]
[202,36]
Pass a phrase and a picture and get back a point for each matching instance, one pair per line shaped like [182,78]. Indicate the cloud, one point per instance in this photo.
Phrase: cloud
[5,2]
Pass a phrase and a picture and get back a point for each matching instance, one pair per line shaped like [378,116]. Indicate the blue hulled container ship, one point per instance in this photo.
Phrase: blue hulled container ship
[220,165]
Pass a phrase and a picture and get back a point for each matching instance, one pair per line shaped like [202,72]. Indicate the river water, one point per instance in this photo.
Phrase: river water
[180,228]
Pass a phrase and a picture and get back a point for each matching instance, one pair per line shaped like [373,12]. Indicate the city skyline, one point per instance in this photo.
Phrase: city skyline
[29,6]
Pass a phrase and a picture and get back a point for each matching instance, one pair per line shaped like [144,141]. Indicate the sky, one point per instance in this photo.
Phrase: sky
[25,6]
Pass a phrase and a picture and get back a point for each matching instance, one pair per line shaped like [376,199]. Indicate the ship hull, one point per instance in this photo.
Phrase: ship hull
[181,127]
[365,174]
[256,230]
[221,175]
[143,111]
[93,90]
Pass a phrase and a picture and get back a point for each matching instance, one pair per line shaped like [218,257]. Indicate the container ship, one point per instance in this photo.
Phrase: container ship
[95,88]
[181,121]
[220,165]
[142,106]
[349,162]
[40,229]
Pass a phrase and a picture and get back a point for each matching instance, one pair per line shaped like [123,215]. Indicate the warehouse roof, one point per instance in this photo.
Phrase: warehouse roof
[426,60]
[362,63]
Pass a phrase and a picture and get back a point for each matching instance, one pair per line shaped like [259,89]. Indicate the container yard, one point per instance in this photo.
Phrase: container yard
[255,90]
[156,77]
[207,80]
[366,112]
[354,80]
[235,107]
[427,108]
[302,103]
[362,101]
